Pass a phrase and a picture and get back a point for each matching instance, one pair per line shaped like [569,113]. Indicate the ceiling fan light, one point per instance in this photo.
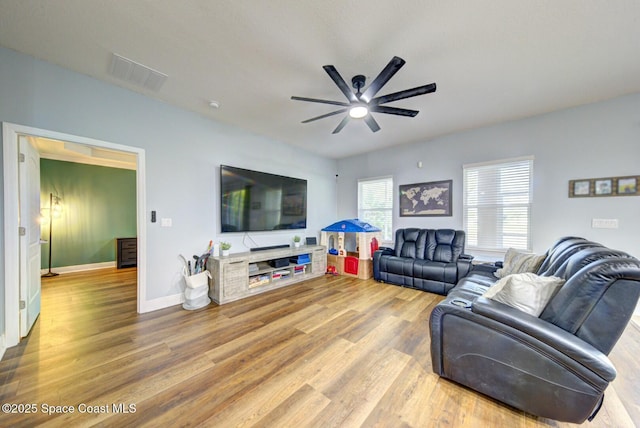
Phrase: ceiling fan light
[358,112]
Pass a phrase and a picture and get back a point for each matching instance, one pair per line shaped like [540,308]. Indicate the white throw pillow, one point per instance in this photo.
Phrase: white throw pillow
[518,262]
[527,291]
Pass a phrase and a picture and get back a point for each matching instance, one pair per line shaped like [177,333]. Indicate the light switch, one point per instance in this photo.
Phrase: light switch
[604,223]
[165,222]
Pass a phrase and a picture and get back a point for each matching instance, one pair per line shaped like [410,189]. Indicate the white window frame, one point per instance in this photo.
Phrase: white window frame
[363,212]
[495,236]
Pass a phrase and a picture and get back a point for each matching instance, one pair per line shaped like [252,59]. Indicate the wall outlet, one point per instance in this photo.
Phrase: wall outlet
[165,222]
[604,223]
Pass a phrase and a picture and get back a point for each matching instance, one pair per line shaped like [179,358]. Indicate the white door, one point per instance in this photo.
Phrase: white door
[29,176]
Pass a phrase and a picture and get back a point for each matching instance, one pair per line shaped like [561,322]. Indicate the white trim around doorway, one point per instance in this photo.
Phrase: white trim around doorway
[10,133]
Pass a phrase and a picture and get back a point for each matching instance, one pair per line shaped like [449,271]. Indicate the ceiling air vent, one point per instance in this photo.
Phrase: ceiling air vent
[136,73]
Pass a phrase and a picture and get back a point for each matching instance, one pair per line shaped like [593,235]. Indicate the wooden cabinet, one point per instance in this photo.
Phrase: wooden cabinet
[126,252]
[242,275]
[235,276]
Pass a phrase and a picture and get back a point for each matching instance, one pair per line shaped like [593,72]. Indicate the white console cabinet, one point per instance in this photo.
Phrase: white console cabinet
[241,275]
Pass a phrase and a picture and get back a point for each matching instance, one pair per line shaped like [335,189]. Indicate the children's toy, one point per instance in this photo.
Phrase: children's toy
[351,246]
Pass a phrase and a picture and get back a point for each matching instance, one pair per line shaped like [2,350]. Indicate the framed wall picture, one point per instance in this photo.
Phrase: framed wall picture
[432,199]
[603,187]
[606,186]
[578,188]
[627,186]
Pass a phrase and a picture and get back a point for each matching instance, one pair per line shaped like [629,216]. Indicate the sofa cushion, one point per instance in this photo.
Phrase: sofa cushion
[559,254]
[434,271]
[586,256]
[443,245]
[398,265]
[519,262]
[525,291]
[409,243]
[597,301]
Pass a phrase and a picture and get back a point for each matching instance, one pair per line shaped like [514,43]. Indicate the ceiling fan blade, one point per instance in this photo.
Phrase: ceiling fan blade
[407,93]
[341,125]
[339,81]
[315,100]
[373,125]
[394,110]
[387,73]
[342,110]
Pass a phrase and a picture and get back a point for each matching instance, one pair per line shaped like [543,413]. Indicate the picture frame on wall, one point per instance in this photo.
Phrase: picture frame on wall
[627,186]
[580,188]
[603,187]
[606,186]
[431,199]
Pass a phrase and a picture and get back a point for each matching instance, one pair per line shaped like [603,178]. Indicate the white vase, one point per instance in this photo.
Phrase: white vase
[296,244]
[225,252]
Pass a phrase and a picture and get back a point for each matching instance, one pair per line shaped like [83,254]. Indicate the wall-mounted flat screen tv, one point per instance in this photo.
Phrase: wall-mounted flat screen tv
[252,201]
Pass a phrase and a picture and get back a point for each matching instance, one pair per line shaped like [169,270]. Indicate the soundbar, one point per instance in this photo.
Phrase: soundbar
[271,247]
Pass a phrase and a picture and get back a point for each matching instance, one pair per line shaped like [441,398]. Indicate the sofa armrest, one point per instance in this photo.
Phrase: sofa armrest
[382,251]
[464,265]
[549,334]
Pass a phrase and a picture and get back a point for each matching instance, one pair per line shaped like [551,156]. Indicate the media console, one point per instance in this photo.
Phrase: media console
[241,275]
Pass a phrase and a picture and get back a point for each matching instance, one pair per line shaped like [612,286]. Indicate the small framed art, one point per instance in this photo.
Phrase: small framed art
[579,188]
[603,187]
[606,186]
[627,186]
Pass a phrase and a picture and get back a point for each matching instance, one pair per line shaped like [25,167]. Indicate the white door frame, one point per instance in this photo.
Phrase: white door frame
[10,134]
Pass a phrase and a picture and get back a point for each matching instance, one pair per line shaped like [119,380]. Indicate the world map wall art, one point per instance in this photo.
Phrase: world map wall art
[431,199]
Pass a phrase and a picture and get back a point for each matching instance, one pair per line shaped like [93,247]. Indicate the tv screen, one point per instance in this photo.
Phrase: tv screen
[252,201]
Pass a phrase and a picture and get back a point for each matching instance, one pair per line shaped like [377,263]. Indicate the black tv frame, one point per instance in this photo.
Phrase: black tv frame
[297,200]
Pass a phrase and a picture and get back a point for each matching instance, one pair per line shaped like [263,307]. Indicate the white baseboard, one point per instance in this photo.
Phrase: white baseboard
[3,346]
[80,268]
[161,303]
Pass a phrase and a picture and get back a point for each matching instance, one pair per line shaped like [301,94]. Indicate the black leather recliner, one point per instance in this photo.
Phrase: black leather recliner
[427,259]
[554,366]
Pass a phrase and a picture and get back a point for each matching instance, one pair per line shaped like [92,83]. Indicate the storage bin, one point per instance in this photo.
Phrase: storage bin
[196,293]
[198,280]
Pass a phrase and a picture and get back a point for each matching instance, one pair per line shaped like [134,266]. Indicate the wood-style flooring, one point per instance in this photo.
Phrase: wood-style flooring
[329,352]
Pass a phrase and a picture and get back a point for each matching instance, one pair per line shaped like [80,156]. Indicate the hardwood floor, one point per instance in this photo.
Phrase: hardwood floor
[330,352]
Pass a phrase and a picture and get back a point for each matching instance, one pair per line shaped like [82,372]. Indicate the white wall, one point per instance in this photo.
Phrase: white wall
[597,140]
[183,154]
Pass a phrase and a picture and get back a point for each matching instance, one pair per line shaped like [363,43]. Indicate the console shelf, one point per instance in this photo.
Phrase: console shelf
[242,275]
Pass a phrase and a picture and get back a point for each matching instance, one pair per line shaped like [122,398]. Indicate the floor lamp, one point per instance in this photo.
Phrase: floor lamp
[51,211]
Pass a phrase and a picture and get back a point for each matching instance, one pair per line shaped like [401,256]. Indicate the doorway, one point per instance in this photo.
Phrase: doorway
[13,263]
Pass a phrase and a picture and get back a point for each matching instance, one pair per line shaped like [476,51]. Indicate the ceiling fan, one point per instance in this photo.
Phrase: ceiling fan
[361,105]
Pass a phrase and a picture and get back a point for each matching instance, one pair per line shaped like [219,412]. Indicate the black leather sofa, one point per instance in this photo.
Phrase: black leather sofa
[427,259]
[555,365]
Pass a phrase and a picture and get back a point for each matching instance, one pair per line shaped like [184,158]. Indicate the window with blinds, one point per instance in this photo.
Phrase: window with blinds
[375,204]
[497,204]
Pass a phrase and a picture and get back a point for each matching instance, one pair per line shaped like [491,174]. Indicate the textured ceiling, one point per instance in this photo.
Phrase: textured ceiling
[492,61]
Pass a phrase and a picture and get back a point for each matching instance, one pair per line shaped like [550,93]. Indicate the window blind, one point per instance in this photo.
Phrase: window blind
[497,204]
[375,204]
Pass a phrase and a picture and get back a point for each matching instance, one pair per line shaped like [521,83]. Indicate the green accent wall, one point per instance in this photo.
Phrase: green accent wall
[98,206]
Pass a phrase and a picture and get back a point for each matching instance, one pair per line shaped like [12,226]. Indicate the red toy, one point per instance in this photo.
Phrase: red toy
[332,270]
